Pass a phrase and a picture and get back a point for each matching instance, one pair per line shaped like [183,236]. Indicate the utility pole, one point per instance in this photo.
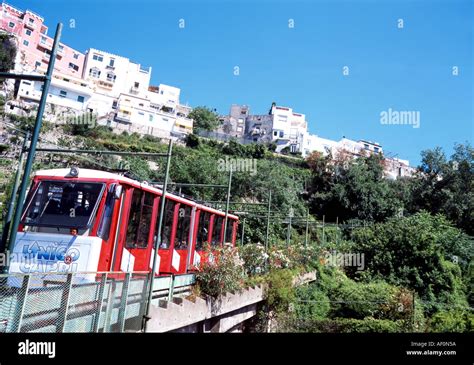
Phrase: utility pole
[268,220]
[324,237]
[11,205]
[289,227]
[227,203]
[307,227]
[157,242]
[34,139]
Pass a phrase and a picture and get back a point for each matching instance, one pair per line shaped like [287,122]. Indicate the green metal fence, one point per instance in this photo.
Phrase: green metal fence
[82,302]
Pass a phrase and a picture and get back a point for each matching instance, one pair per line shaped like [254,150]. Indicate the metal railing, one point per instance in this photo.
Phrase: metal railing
[82,302]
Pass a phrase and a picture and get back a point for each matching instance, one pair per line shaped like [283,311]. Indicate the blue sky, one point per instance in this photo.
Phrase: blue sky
[407,69]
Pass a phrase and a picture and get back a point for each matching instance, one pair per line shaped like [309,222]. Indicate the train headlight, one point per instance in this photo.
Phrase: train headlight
[73,172]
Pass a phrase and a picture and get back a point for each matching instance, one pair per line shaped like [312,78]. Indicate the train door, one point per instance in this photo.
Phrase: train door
[107,228]
[181,239]
[234,232]
[132,251]
[217,228]
[139,235]
[202,234]
[228,238]
[168,258]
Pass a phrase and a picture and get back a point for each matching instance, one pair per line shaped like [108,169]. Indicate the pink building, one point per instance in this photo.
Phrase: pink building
[34,45]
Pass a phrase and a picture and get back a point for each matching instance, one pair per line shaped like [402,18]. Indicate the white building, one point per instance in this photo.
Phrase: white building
[393,167]
[64,91]
[289,128]
[110,76]
[159,109]
[113,75]
[123,87]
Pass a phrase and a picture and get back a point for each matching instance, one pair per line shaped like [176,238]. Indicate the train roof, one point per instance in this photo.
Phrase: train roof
[104,175]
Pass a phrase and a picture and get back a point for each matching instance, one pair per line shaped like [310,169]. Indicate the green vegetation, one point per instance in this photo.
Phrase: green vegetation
[7,52]
[204,118]
[415,233]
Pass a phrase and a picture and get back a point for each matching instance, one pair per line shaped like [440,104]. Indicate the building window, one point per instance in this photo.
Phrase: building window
[150,117]
[111,77]
[43,40]
[31,21]
[61,47]
[114,105]
[94,72]
[98,57]
[37,64]
[136,85]
[11,25]
[80,99]
[376,149]
[281,134]
[141,113]
[73,66]
[28,32]
[26,43]
[275,133]
[366,146]
[62,94]
[111,62]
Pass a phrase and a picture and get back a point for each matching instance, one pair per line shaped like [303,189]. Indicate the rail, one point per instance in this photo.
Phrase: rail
[83,301]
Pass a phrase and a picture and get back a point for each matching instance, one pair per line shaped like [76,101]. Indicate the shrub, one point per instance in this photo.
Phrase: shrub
[221,272]
[452,321]
[278,259]
[254,258]
[311,303]
[280,292]
[340,325]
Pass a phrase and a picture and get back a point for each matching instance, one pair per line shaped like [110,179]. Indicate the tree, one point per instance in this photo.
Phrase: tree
[446,186]
[204,118]
[422,252]
[350,189]
[7,52]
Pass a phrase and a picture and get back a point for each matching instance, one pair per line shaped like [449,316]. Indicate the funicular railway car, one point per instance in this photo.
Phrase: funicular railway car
[81,220]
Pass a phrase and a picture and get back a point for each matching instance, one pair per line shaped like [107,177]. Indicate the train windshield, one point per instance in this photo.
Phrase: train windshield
[63,204]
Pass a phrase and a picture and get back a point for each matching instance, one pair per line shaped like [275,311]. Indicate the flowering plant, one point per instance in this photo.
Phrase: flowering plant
[254,257]
[221,274]
[278,259]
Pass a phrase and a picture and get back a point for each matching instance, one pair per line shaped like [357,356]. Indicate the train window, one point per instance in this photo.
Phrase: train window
[63,204]
[106,221]
[139,220]
[228,233]
[167,225]
[145,220]
[216,231]
[182,231]
[203,230]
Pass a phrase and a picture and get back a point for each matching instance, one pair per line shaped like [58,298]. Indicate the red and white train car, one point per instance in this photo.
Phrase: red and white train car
[88,221]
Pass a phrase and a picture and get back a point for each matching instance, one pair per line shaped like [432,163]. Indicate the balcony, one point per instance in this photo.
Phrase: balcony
[30,25]
[123,116]
[134,90]
[106,85]
[108,67]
